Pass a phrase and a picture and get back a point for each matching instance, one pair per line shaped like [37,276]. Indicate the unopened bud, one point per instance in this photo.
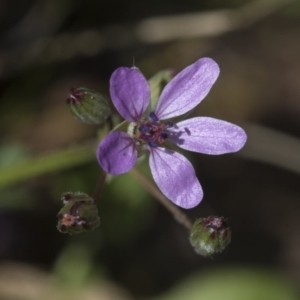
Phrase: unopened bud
[88,106]
[157,84]
[210,235]
[79,213]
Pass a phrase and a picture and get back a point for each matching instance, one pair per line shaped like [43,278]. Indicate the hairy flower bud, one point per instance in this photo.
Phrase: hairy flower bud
[79,213]
[210,235]
[88,106]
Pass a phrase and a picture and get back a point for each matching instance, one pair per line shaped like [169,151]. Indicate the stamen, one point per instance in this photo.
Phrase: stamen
[153,132]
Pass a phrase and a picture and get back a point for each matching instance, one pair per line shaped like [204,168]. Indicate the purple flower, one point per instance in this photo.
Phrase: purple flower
[175,176]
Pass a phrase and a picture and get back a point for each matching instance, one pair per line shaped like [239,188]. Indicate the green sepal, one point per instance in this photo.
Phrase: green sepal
[157,84]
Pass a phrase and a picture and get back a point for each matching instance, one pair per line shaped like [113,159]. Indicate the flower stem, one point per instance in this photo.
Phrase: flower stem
[179,216]
[99,187]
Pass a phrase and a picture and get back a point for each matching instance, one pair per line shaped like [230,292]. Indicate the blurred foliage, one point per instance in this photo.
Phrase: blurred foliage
[233,284]
[60,160]
[11,198]
[132,213]
[74,266]
[71,280]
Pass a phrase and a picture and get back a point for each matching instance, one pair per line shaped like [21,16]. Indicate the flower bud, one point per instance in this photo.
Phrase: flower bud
[79,213]
[88,106]
[210,235]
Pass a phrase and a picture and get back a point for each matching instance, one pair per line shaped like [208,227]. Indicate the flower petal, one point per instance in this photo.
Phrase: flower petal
[129,92]
[116,153]
[208,135]
[175,176]
[187,89]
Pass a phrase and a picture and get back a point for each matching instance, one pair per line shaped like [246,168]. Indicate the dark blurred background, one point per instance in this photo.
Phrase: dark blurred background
[140,251]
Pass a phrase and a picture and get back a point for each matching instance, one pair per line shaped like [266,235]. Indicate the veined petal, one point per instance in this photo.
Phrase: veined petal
[117,153]
[175,177]
[187,89]
[129,92]
[208,135]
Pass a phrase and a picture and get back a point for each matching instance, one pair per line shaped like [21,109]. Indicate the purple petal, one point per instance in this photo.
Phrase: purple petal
[187,89]
[129,92]
[116,153]
[176,178]
[208,135]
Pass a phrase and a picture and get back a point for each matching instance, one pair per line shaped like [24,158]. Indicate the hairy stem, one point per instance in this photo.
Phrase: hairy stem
[99,187]
[179,216]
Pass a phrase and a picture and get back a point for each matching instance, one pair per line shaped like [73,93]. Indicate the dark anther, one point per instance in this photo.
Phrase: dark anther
[169,124]
[154,117]
[145,128]
[164,135]
[152,144]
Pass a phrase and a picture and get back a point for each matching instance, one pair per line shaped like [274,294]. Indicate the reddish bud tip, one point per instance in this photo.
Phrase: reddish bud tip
[75,96]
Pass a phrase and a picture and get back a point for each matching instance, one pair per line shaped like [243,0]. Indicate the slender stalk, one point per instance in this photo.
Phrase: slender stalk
[179,216]
[99,187]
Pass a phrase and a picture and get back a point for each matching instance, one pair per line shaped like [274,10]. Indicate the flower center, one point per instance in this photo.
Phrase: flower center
[152,131]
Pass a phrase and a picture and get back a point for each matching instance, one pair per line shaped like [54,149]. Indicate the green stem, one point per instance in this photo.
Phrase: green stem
[99,187]
[178,214]
[52,162]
